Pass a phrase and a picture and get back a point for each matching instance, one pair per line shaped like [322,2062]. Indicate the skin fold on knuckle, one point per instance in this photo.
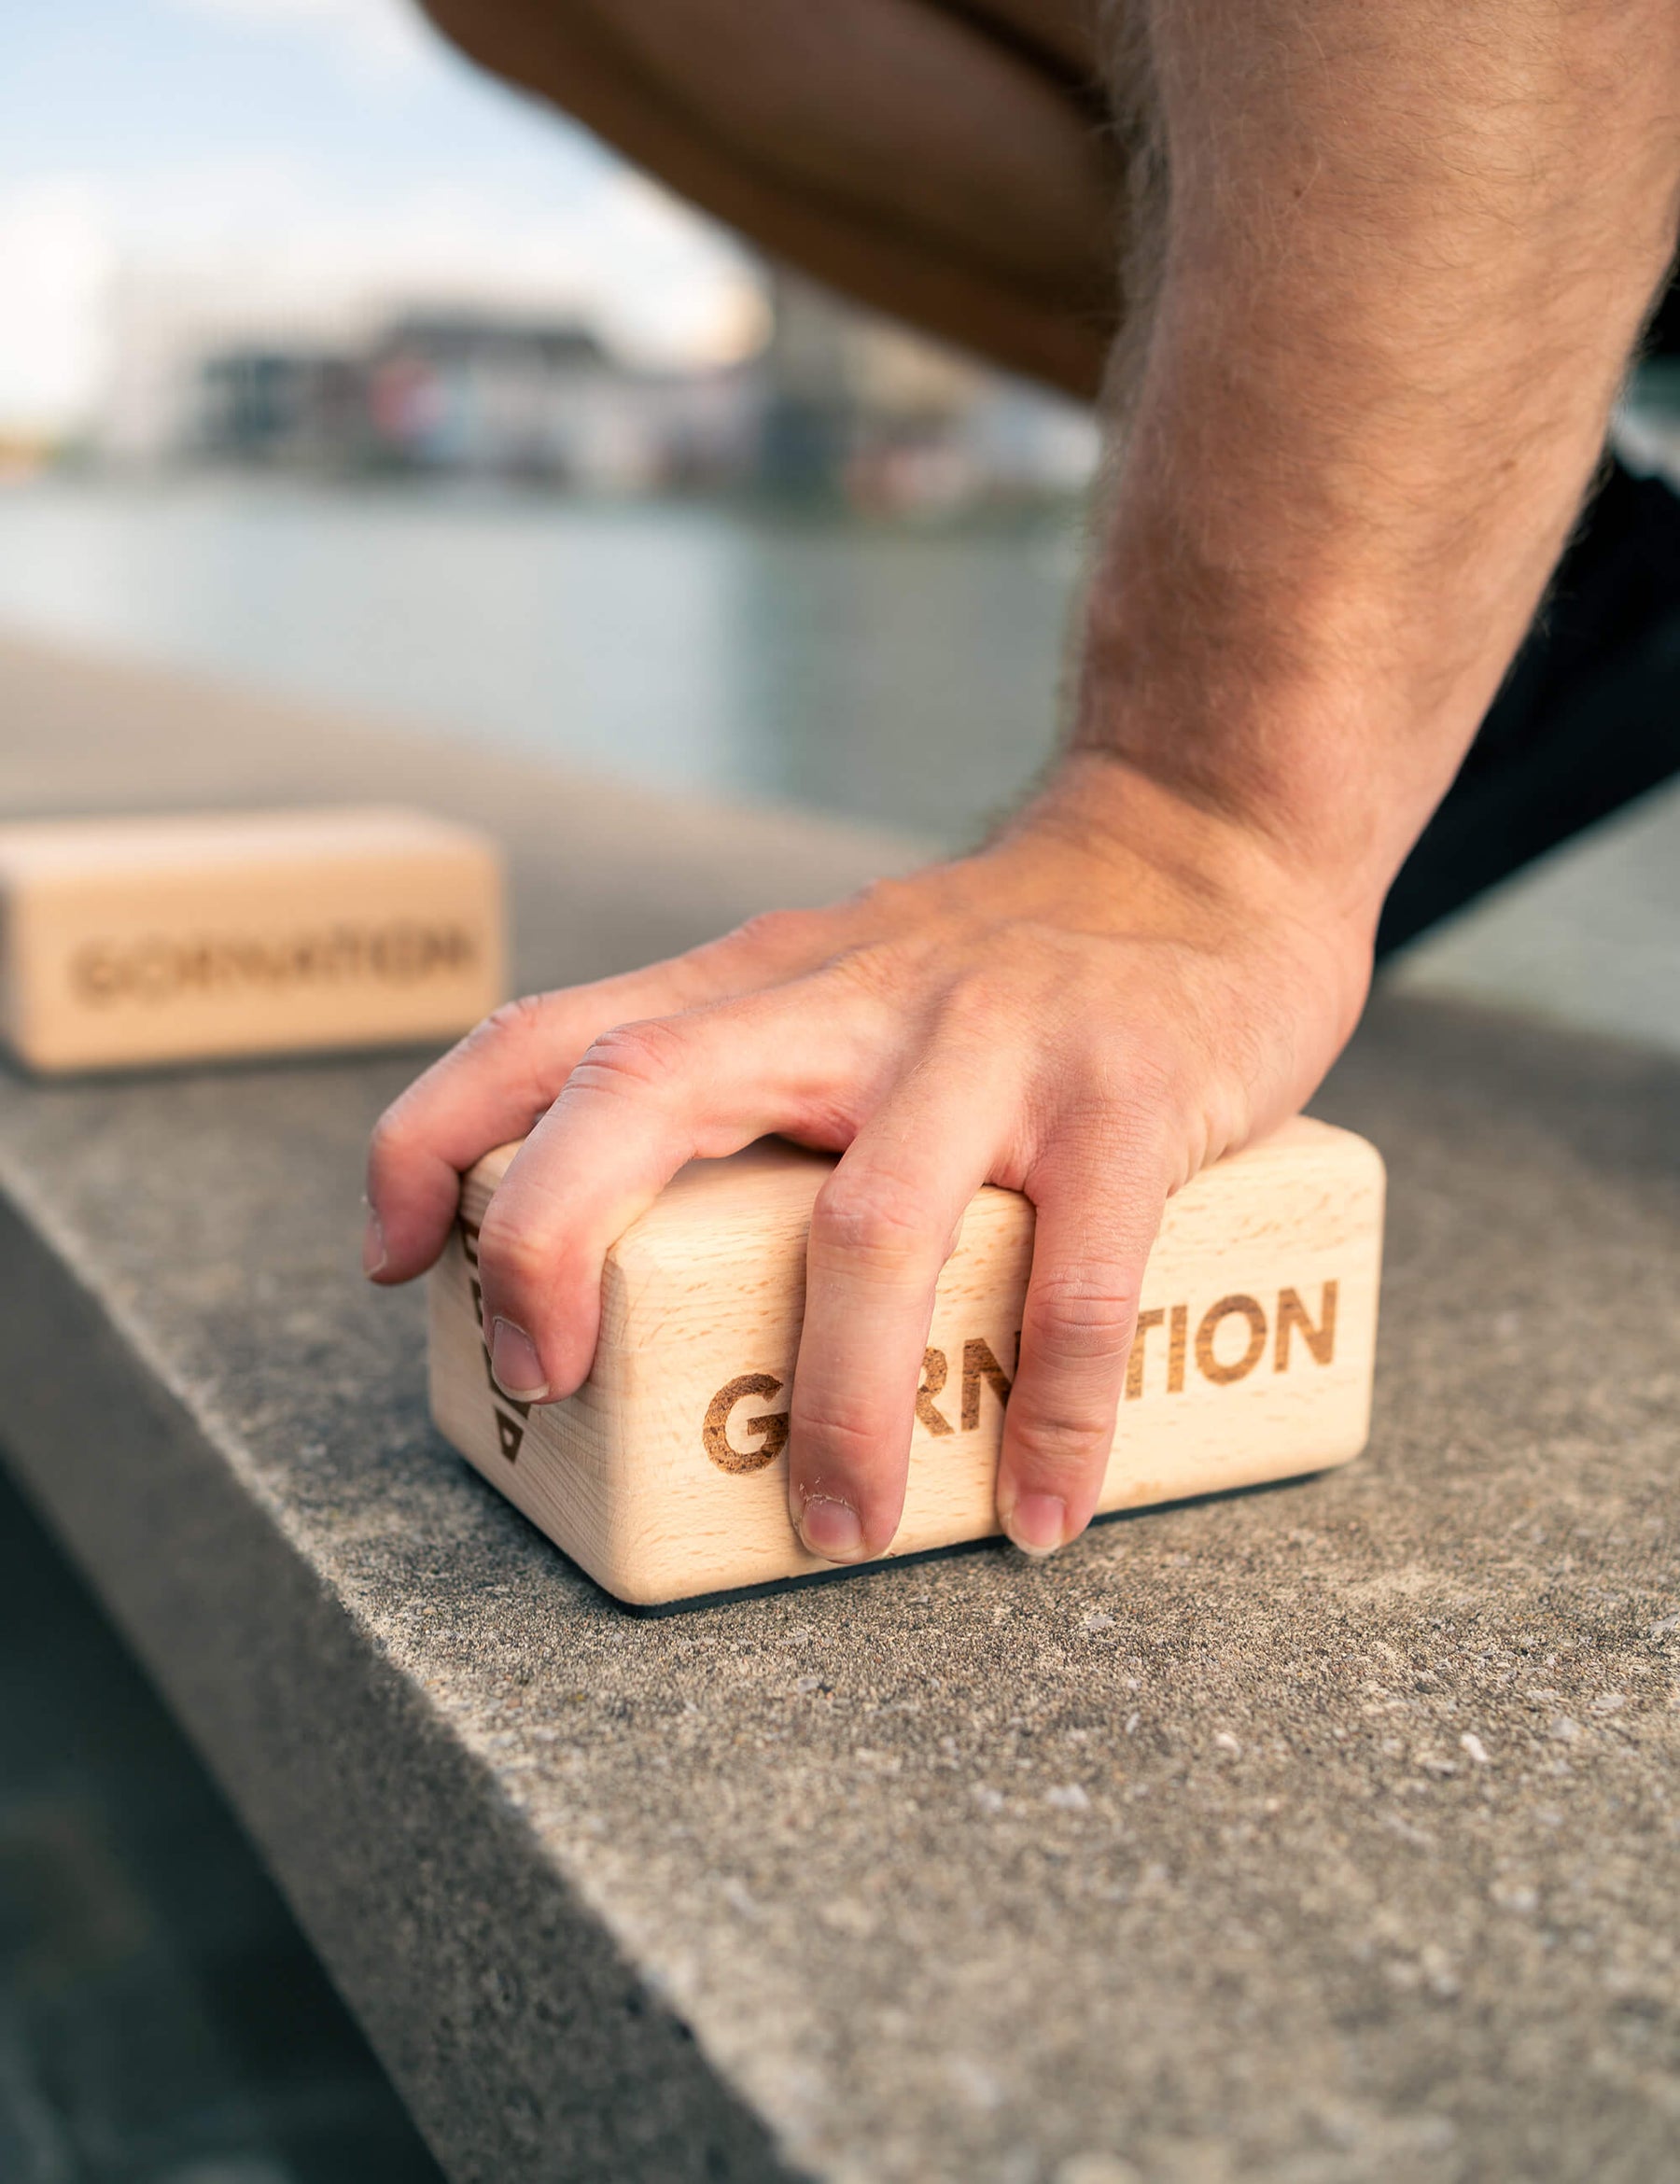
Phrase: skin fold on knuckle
[843,1439]
[872,1222]
[1079,1319]
[1137,1096]
[974,1006]
[412,1195]
[522,1045]
[1057,1451]
[842,1459]
[507,1037]
[649,1059]
[530,1280]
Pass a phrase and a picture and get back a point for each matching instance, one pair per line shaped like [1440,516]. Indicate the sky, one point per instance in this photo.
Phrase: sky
[298,157]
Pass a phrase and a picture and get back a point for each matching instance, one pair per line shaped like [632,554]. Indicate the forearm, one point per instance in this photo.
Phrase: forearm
[1404,256]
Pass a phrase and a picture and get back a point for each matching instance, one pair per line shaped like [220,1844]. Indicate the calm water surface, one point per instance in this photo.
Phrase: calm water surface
[899,674]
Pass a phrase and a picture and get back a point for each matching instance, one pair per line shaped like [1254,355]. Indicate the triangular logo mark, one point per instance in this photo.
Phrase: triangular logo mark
[510,1434]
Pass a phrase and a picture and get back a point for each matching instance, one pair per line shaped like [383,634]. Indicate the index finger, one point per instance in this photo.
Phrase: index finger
[501,1080]
[882,1228]
[495,1084]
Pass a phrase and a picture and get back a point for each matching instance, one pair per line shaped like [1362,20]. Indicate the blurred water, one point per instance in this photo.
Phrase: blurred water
[898,672]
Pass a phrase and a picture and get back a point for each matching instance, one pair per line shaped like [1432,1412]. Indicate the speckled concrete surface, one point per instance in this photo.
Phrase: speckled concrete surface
[1318,1835]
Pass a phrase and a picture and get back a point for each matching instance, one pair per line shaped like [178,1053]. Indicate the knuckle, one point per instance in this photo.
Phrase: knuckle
[869,1213]
[641,1057]
[971,1006]
[394,1139]
[515,1023]
[829,1433]
[513,1043]
[1081,1317]
[1059,1448]
[1133,1081]
[1156,1094]
[776,933]
[514,1260]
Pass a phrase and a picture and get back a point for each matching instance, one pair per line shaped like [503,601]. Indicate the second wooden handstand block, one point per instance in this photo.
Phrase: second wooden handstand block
[665,1474]
[133,941]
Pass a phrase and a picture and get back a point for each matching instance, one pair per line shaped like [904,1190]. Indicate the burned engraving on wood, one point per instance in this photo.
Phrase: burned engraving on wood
[510,1415]
[770,1425]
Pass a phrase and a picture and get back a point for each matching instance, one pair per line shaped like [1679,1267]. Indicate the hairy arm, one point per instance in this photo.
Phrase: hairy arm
[1392,262]
[1398,257]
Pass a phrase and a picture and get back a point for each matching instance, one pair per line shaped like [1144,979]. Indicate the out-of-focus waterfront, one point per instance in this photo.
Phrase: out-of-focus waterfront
[900,672]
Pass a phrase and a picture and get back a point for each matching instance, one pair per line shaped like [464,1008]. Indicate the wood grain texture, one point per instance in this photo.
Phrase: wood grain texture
[125,942]
[666,1475]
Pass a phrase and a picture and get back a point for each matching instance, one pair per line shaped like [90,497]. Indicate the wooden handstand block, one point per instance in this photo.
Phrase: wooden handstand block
[125,942]
[665,1474]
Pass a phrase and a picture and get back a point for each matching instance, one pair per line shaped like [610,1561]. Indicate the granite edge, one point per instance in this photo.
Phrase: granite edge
[468,1960]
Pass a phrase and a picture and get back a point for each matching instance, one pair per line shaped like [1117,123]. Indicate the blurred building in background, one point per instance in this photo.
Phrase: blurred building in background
[859,401]
[834,404]
[260,403]
[469,394]
[549,403]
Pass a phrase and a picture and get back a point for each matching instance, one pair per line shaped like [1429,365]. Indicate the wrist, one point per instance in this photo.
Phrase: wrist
[1204,872]
[1284,631]
[1309,721]
[1300,769]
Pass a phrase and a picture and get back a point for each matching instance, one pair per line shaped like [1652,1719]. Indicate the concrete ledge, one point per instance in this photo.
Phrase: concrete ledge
[606,877]
[1315,1835]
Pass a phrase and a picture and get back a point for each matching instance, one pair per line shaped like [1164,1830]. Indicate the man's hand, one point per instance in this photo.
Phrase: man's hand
[1119,991]
[1387,267]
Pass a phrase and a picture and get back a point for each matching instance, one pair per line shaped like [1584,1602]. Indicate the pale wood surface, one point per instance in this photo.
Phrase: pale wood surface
[135,941]
[661,1480]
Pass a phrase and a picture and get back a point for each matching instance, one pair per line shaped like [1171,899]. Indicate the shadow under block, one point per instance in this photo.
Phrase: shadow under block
[125,942]
[665,1474]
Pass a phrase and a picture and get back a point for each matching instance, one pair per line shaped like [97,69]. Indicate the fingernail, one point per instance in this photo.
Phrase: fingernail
[373,1245]
[515,1362]
[831,1529]
[1038,1523]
